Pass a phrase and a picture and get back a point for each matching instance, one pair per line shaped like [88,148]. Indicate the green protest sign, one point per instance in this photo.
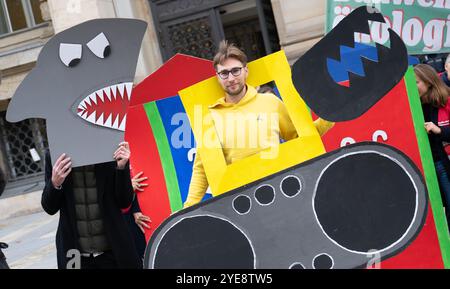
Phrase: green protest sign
[424,25]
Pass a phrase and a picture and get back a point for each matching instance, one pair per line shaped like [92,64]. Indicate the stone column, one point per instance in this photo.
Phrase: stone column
[150,57]
[69,13]
[300,24]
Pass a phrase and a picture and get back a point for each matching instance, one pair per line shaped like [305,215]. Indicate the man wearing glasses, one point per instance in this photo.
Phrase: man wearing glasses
[265,113]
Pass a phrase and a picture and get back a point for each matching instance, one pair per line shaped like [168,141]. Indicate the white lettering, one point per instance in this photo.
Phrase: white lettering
[412,32]
[433,35]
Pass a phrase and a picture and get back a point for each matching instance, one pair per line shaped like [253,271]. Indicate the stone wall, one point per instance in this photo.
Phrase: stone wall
[300,23]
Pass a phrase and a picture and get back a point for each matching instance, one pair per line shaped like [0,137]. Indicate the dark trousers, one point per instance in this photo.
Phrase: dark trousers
[103,261]
[138,236]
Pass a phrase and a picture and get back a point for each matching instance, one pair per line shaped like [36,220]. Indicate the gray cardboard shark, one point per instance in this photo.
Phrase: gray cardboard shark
[82,86]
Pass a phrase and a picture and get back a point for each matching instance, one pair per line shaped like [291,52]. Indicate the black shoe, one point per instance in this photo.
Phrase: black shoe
[3,264]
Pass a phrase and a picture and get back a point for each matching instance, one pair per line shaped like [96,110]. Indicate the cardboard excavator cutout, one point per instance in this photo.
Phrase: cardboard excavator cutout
[305,208]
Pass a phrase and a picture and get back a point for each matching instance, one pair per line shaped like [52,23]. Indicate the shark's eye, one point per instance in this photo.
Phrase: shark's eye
[70,54]
[100,46]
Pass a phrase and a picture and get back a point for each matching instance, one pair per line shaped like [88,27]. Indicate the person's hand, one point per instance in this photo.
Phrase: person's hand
[142,220]
[136,182]
[61,168]
[431,127]
[122,155]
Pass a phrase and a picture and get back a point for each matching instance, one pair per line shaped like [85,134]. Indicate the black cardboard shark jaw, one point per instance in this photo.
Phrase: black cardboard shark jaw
[334,102]
[335,211]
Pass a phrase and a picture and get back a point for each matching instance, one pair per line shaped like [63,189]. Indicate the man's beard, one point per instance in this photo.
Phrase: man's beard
[236,92]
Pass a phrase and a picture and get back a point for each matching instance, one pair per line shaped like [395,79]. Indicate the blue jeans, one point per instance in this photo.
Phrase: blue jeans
[444,183]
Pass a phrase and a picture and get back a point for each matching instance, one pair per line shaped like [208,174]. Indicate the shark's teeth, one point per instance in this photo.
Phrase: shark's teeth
[99,94]
[116,123]
[100,120]
[108,122]
[114,91]
[129,88]
[107,91]
[91,118]
[92,110]
[93,98]
[121,88]
[122,125]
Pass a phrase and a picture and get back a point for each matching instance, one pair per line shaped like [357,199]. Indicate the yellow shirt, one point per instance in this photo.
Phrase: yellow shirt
[256,122]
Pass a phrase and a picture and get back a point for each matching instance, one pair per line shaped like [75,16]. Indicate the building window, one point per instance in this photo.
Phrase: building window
[19,14]
[22,146]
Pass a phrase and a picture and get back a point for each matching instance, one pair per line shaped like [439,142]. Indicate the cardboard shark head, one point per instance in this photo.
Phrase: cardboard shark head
[82,86]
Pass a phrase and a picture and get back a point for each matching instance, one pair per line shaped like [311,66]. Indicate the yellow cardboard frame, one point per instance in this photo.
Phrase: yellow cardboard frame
[222,177]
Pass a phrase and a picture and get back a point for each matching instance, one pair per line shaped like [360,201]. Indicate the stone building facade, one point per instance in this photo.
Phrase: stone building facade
[193,27]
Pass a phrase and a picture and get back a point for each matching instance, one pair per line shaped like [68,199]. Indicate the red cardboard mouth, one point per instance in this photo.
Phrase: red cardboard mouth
[107,106]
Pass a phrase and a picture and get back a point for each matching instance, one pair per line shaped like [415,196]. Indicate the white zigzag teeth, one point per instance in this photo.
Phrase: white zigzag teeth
[100,120]
[93,98]
[113,92]
[129,88]
[91,118]
[121,88]
[99,94]
[107,92]
[108,121]
[122,125]
[87,101]
[116,123]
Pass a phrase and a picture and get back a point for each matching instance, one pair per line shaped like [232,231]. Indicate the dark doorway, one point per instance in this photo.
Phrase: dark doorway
[196,27]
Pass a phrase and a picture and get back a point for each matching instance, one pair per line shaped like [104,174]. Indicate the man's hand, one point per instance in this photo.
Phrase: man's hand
[136,182]
[61,169]
[141,220]
[431,127]
[122,155]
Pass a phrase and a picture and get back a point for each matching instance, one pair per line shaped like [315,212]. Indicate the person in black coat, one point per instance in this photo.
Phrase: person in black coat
[136,222]
[105,240]
[436,109]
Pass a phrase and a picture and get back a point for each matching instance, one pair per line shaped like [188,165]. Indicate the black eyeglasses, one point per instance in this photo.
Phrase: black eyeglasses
[235,71]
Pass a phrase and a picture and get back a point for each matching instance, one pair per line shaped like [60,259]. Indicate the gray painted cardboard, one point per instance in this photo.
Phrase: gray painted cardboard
[288,231]
[54,91]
